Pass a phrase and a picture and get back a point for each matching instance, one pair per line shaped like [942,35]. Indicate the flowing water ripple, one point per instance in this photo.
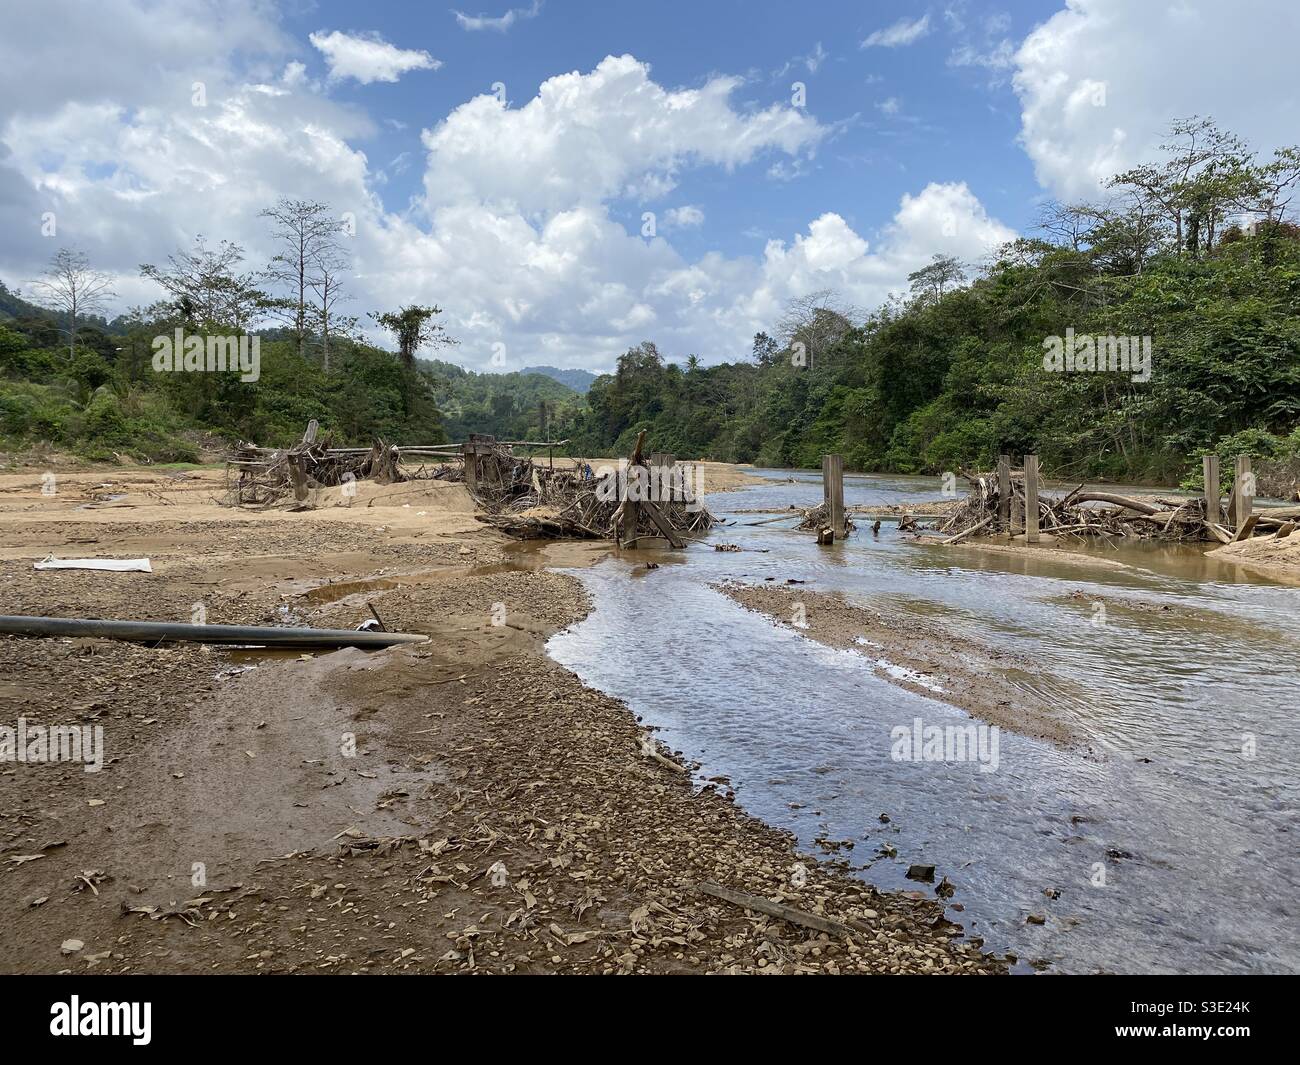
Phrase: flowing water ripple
[1195,843]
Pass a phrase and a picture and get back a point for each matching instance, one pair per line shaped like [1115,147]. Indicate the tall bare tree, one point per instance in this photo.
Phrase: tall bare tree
[816,320]
[71,287]
[326,282]
[304,231]
[941,273]
[206,286]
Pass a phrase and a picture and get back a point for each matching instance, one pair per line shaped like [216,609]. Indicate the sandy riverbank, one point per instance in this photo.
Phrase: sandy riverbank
[1271,556]
[921,655]
[460,805]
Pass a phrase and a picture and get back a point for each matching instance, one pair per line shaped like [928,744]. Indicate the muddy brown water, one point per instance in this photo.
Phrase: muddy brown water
[1169,844]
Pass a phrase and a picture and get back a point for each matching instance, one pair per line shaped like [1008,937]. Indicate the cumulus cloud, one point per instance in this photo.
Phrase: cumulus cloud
[1100,81]
[500,23]
[588,137]
[904,31]
[368,57]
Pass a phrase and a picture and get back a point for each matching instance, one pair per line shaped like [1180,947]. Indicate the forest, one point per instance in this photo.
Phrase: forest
[1195,253]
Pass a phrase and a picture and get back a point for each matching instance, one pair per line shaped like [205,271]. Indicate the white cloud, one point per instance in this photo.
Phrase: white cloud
[588,137]
[687,216]
[368,57]
[890,106]
[904,31]
[811,62]
[1100,81]
[998,57]
[500,23]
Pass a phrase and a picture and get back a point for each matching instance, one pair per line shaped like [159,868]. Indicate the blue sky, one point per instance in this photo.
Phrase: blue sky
[953,123]
[926,128]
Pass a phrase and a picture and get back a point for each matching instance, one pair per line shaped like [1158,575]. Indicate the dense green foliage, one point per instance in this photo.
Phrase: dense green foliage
[954,376]
[110,400]
[940,384]
[509,406]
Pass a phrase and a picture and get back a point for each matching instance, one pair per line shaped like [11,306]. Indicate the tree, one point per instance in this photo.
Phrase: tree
[71,287]
[816,320]
[306,234]
[931,281]
[1206,173]
[206,288]
[412,328]
[327,266]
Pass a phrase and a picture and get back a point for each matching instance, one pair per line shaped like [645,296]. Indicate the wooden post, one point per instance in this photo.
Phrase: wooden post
[471,467]
[1210,470]
[1004,492]
[833,492]
[1031,499]
[1243,492]
[659,462]
[297,478]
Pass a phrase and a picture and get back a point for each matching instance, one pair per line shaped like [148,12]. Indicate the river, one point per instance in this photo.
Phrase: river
[1171,848]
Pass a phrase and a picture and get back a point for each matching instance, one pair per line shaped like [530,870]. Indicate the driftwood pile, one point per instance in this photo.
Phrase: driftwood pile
[1083,514]
[519,494]
[819,517]
[528,499]
[260,478]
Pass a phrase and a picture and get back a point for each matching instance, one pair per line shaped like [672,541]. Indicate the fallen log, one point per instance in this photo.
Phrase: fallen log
[1218,532]
[1118,501]
[967,532]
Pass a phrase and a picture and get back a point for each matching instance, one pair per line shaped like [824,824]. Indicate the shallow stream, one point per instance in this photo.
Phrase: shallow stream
[1172,847]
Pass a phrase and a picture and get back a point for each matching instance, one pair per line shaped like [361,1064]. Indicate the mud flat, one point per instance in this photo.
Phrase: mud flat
[462,805]
[921,655]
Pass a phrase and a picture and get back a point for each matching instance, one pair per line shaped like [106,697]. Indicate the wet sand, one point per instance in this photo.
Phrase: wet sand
[920,655]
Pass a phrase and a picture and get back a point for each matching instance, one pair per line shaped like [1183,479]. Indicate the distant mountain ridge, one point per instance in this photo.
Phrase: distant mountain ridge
[578,380]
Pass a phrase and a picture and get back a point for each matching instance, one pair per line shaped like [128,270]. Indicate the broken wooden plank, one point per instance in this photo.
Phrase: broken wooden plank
[779,910]
[652,511]
[1246,528]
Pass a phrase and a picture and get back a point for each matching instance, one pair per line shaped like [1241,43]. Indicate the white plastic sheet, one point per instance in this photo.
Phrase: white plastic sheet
[114,565]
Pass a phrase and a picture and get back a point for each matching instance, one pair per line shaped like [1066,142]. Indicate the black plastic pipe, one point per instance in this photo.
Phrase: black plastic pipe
[164,631]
